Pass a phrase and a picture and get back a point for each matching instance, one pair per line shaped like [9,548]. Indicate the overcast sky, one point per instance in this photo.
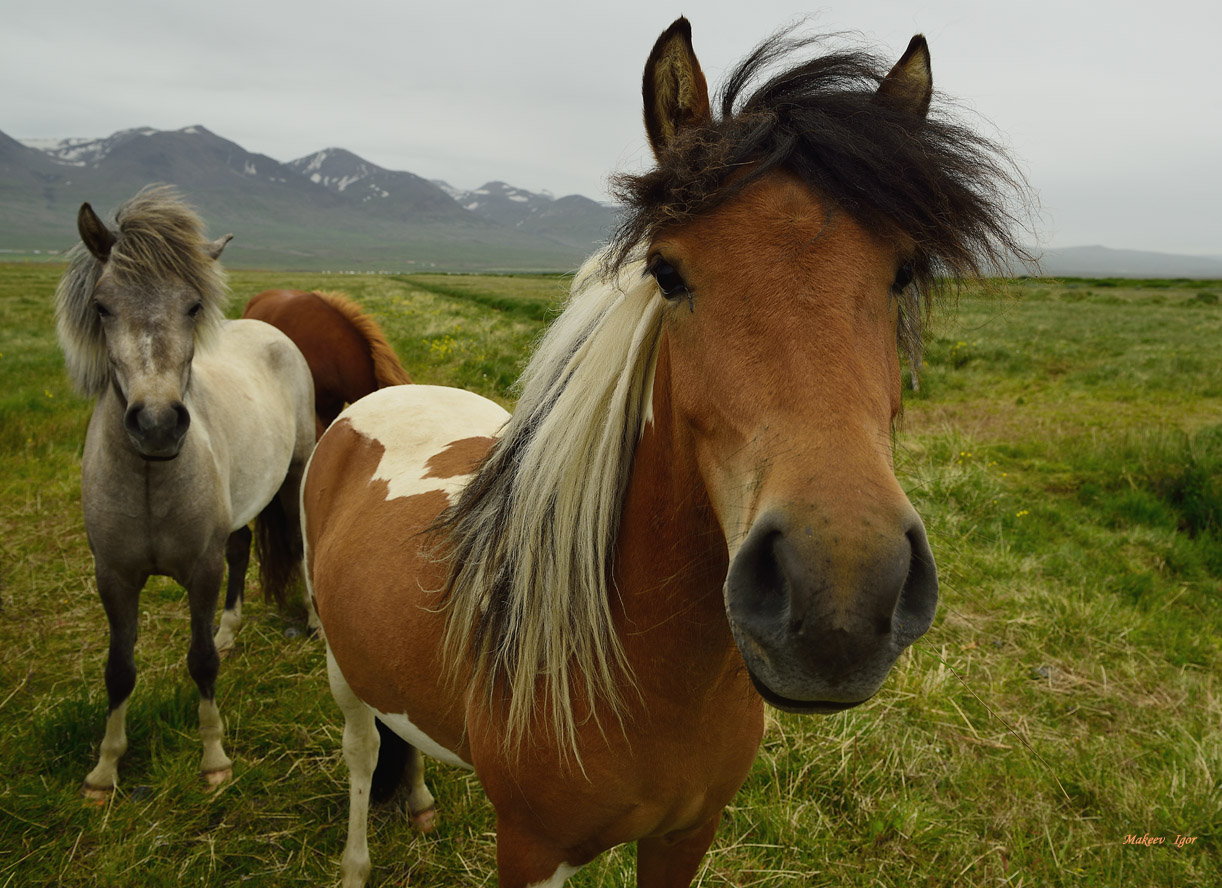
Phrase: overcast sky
[1111,108]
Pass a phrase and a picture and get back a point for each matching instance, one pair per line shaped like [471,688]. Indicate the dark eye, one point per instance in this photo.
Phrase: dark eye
[903,277]
[101,309]
[195,309]
[670,282]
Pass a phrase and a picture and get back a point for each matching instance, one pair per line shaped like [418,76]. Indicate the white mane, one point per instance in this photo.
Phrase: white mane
[532,537]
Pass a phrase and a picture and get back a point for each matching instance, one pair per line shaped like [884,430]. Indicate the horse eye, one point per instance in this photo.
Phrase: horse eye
[102,310]
[903,277]
[195,309]
[670,282]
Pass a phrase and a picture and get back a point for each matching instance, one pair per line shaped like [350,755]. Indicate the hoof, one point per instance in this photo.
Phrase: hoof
[97,795]
[425,820]
[213,779]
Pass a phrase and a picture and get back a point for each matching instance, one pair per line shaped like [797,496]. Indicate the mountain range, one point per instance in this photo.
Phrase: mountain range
[328,210]
[335,210]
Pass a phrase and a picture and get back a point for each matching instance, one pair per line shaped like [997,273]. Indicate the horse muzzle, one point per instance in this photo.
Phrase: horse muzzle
[157,431]
[821,619]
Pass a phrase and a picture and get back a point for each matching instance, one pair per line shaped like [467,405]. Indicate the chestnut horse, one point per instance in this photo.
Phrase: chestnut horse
[348,354]
[693,510]
[201,425]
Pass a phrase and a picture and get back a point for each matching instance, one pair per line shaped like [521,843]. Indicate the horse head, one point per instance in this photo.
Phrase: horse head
[780,350]
[149,308]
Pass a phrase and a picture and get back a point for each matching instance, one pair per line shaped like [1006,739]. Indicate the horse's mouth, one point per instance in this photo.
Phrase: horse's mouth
[800,707]
[149,457]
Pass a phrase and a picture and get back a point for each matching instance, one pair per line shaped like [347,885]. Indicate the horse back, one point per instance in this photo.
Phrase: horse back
[376,482]
[338,355]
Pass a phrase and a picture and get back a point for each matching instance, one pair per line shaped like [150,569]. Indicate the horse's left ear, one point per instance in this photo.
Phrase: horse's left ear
[97,238]
[215,248]
[676,94]
[909,85]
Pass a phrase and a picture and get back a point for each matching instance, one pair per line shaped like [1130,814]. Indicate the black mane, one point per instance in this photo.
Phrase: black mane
[954,193]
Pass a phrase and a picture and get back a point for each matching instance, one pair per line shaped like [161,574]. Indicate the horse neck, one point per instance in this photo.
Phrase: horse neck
[672,563]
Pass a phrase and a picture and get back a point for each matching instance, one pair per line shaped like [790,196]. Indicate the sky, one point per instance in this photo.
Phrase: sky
[1111,109]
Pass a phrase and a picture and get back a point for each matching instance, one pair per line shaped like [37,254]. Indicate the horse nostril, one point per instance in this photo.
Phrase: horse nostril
[918,598]
[134,420]
[757,578]
[183,419]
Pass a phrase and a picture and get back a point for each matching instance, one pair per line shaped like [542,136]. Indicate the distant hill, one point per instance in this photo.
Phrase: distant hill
[331,209]
[335,210]
[1098,261]
[573,220]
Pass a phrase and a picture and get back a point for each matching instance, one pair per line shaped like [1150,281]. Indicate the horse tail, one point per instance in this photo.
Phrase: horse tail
[386,367]
[280,550]
[391,768]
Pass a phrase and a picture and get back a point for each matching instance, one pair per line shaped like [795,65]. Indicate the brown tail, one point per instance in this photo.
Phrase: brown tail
[280,550]
[386,366]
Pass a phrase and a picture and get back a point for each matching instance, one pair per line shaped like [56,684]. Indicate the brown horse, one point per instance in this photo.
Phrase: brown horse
[693,510]
[348,354]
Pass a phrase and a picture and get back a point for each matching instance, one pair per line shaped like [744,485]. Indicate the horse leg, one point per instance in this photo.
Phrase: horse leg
[121,600]
[399,760]
[203,663]
[524,861]
[420,802]
[361,743]
[667,862]
[237,557]
[290,500]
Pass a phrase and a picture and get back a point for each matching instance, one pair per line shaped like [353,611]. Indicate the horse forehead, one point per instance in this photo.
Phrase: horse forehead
[779,227]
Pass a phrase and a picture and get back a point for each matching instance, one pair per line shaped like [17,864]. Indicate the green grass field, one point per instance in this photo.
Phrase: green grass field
[1065,450]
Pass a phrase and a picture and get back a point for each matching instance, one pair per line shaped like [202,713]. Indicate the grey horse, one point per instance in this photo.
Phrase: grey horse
[201,425]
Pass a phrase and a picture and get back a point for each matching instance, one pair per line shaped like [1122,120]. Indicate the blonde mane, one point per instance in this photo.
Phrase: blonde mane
[158,238]
[386,366]
[532,537]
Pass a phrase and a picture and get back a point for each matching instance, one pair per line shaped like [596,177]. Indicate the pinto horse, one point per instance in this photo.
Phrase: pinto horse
[348,354]
[201,425]
[693,511]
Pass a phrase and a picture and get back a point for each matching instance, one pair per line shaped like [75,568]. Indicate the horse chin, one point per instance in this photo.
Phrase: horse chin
[801,707]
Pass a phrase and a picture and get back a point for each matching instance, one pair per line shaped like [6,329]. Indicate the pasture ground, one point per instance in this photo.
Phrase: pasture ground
[1065,450]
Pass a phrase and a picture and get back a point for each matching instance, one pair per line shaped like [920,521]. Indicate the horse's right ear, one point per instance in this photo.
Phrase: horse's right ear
[676,94]
[97,238]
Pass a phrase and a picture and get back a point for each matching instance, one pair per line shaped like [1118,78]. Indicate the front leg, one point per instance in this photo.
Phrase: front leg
[203,662]
[237,557]
[672,861]
[523,860]
[121,600]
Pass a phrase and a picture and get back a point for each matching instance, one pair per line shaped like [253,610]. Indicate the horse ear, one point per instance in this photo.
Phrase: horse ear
[215,248]
[97,238]
[909,85]
[676,94]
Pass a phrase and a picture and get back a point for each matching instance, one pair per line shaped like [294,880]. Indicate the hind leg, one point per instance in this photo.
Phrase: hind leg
[237,557]
[121,599]
[203,662]
[399,760]
[361,743]
[290,501]
[419,800]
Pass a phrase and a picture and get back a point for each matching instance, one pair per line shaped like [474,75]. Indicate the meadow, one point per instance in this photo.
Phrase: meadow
[1065,451]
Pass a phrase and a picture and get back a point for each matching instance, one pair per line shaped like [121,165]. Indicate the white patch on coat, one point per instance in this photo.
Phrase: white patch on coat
[558,878]
[402,725]
[416,422]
